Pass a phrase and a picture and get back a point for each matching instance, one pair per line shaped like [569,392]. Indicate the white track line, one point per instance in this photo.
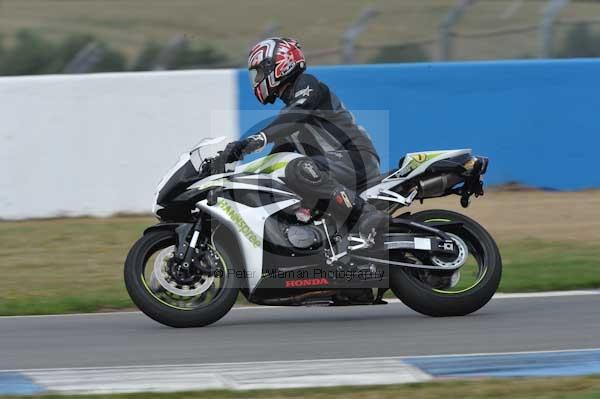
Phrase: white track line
[244,375]
[238,376]
[523,295]
[306,361]
[547,294]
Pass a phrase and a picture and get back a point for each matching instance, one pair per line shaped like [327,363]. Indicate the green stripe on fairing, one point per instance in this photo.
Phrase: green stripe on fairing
[274,167]
[256,165]
[414,163]
[266,165]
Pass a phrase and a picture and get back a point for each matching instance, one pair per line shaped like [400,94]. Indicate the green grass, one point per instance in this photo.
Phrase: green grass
[127,25]
[75,265]
[67,265]
[539,388]
[535,265]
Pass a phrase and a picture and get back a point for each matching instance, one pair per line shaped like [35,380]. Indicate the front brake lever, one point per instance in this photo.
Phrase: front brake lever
[217,164]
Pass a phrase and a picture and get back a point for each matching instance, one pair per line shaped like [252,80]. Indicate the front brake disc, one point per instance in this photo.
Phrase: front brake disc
[161,274]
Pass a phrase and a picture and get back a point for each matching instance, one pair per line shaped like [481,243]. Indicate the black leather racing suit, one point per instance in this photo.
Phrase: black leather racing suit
[340,157]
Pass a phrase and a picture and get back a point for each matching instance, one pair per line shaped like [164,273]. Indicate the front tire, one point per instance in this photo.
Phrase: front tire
[414,291]
[162,311]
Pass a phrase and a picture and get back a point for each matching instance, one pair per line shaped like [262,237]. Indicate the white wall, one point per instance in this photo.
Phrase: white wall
[98,144]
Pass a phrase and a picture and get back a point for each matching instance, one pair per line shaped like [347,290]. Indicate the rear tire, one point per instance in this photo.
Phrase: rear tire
[136,286]
[423,299]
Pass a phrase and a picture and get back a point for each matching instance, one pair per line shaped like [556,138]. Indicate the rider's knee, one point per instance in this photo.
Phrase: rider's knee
[304,173]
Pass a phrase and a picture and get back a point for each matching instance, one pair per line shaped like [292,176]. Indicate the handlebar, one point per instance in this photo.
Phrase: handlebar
[253,146]
[213,166]
[216,164]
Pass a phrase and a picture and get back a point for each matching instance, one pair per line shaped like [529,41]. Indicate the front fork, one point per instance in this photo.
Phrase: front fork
[188,252]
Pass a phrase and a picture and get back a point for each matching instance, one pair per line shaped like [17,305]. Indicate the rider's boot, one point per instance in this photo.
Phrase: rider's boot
[372,221]
[363,218]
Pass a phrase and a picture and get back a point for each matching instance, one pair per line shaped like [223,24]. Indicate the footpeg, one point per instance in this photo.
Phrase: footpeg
[361,241]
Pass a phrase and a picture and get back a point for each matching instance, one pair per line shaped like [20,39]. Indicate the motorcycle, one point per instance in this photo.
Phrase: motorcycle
[225,229]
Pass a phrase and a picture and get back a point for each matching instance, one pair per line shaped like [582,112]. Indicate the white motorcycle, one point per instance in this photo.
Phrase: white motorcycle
[225,230]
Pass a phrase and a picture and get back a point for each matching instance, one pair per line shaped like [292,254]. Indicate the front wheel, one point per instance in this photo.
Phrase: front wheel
[451,293]
[171,295]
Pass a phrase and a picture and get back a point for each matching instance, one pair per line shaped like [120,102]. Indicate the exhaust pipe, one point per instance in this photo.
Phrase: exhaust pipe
[438,185]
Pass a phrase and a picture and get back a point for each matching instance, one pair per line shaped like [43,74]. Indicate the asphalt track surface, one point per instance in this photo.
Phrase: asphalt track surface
[267,334]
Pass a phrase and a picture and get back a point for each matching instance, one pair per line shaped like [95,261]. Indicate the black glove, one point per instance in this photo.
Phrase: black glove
[236,150]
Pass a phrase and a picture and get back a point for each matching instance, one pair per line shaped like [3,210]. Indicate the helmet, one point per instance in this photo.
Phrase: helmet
[273,62]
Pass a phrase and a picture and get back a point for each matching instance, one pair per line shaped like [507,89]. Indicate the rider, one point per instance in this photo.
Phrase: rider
[339,158]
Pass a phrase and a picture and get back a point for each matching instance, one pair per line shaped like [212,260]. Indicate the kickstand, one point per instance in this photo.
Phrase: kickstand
[379,299]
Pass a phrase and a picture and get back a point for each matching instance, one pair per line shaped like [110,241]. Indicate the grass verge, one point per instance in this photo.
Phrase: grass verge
[516,388]
[126,26]
[75,265]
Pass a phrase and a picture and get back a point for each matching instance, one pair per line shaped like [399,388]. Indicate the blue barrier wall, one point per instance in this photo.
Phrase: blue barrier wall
[538,121]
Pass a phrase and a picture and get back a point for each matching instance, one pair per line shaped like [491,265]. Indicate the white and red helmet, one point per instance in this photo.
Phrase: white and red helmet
[273,62]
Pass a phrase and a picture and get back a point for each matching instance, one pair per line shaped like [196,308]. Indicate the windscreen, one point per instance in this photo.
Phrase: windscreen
[207,147]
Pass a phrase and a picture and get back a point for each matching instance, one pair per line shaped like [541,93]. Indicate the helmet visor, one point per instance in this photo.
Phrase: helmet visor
[256,75]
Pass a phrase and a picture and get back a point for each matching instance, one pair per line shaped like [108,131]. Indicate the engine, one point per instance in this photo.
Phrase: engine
[304,236]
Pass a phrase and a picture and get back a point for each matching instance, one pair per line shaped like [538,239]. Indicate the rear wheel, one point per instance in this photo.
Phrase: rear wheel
[171,295]
[453,292]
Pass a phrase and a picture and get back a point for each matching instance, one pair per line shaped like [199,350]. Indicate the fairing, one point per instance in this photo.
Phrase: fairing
[252,194]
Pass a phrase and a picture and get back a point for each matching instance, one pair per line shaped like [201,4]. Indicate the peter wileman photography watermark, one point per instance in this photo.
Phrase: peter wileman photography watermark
[314,276]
